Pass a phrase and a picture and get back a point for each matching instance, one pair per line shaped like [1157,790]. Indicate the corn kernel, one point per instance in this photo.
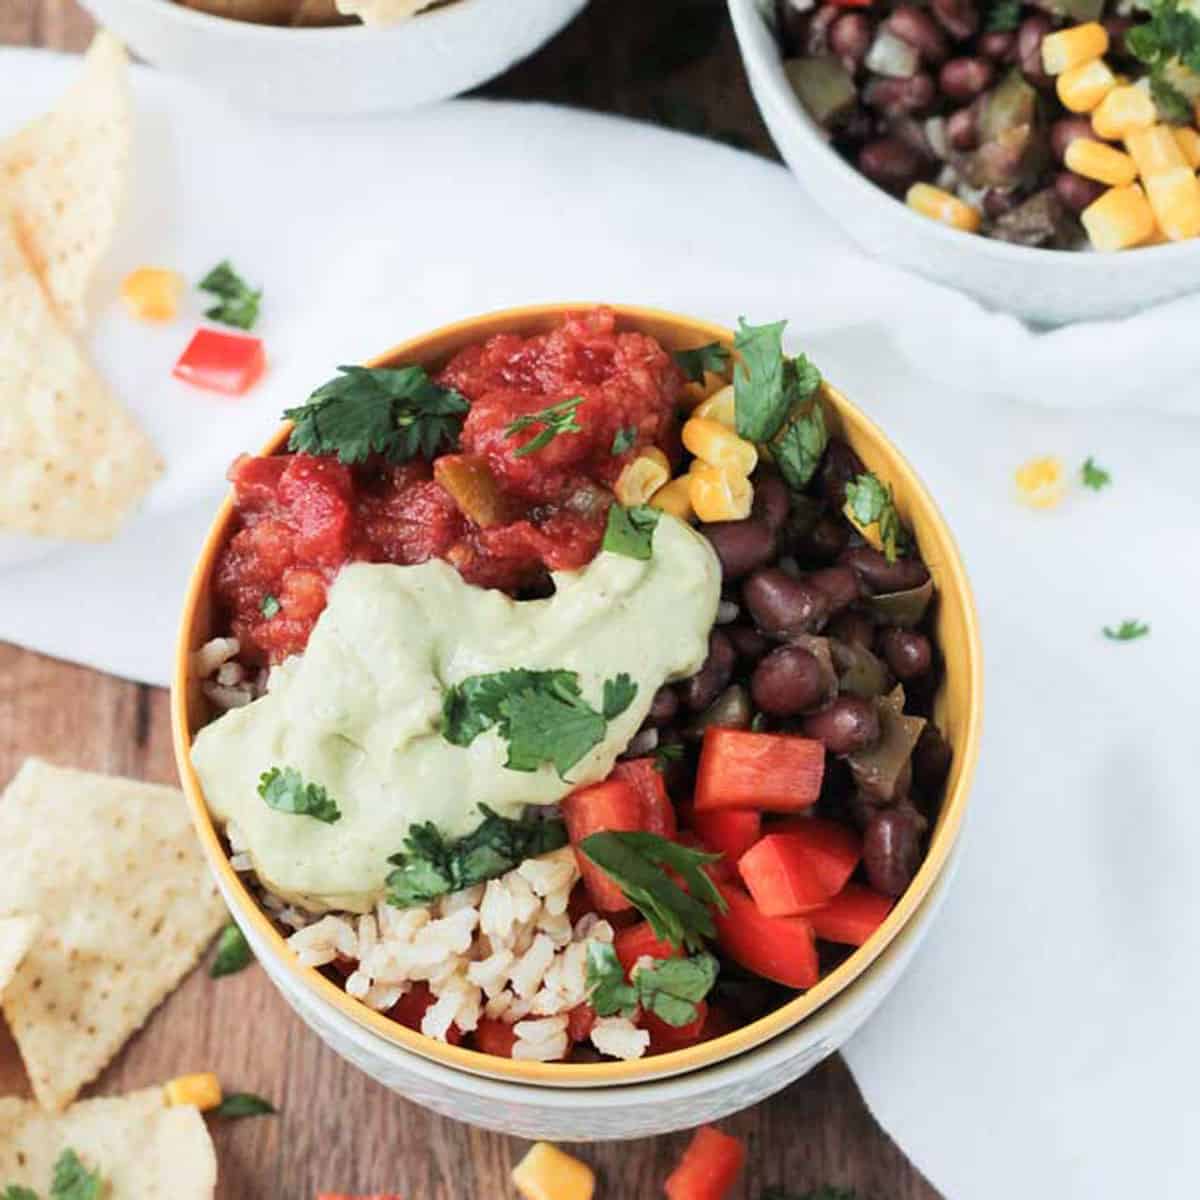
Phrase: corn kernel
[674,498]
[938,205]
[1095,160]
[1122,111]
[1041,482]
[546,1173]
[713,443]
[719,495]
[1174,197]
[1118,219]
[202,1091]
[718,407]
[1083,87]
[1154,150]
[1073,47]
[152,293]
[1188,141]
[642,477]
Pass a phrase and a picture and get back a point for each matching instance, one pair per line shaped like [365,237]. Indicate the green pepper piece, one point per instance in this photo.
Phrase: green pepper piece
[824,87]
[905,608]
[878,770]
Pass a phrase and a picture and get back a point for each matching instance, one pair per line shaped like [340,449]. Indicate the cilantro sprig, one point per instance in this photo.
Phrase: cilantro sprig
[284,790]
[71,1181]
[630,531]
[623,440]
[1003,16]
[869,501]
[1094,476]
[555,420]
[768,385]
[233,953]
[1128,631]
[799,445]
[396,412]
[243,1104]
[671,988]
[237,302]
[270,606]
[431,866]
[541,714]
[635,862]
[1169,45]
[696,362]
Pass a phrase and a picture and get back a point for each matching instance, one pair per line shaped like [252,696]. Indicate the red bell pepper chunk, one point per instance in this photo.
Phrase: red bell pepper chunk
[221,362]
[781,877]
[709,1167]
[728,831]
[658,813]
[639,941]
[664,1038]
[851,916]
[410,1008]
[834,850]
[612,804]
[778,948]
[494,1037]
[772,771]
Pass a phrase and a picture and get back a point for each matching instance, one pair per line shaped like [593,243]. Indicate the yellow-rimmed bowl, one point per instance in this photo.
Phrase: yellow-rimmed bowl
[958,711]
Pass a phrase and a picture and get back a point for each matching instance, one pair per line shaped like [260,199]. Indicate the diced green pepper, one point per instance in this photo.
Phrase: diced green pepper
[824,86]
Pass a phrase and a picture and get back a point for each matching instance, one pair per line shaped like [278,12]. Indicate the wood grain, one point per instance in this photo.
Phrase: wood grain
[337,1129]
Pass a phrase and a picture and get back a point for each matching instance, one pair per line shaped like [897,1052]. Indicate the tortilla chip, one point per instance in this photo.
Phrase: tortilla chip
[73,462]
[127,907]
[66,174]
[141,1148]
[17,934]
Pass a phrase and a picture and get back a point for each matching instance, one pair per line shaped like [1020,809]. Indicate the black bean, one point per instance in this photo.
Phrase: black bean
[747,641]
[772,499]
[964,78]
[741,545]
[962,128]
[854,628]
[895,97]
[931,759]
[850,723]
[890,163]
[1118,28]
[839,466]
[698,692]
[892,848]
[959,18]
[840,584]
[824,540]
[916,27]
[1075,191]
[663,707]
[998,201]
[1029,49]
[880,576]
[787,682]
[1065,130]
[998,45]
[907,652]
[850,38]
[816,36]
[781,605]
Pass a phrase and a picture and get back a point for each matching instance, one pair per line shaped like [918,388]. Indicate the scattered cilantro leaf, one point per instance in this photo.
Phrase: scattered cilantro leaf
[673,987]
[630,531]
[284,790]
[618,695]
[73,1181]
[233,953]
[869,501]
[623,439]
[1003,16]
[1127,631]
[431,866]
[1168,45]
[696,362]
[243,1104]
[398,412]
[608,992]
[556,419]
[1093,475]
[760,397]
[799,445]
[758,723]
[14,1191]
[237,301]
[634,861]
[667,752]
[270,606]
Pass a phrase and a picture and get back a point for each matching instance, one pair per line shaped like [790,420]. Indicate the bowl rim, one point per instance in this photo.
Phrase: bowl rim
[954,582]
[753,29]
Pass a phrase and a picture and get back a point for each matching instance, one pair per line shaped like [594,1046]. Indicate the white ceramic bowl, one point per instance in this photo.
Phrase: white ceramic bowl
[340,70]
[1046,286]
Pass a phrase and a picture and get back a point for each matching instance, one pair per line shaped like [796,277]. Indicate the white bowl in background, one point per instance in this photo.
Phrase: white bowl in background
[1046,286]
[338,70]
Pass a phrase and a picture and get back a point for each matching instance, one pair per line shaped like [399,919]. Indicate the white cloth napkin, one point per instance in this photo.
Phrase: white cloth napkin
[1043,1041]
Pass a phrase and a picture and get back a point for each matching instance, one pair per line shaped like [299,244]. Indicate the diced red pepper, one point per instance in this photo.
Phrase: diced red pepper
[728,831]
[851,916]
[221,362]
[778,948]
[612,804]
[835,850]
[580,1021]
[639,941]
[709,1167]
[410,1008]
[494,1037]
[664,1038]
[781,877]
[777,772]
[647,780]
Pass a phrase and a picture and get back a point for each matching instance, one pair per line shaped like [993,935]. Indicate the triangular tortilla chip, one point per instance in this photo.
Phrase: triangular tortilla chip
[66,174]
[142,1149]
[113,869]
[72,460]
[16,936]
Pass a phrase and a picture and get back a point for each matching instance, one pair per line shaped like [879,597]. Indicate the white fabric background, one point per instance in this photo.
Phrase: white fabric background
[1044,1042]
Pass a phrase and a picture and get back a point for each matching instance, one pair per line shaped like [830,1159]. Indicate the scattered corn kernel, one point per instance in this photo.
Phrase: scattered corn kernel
[202,1091]
[1083,87]
[1119,219]
[675,498]
[1073,47]
[642,477]
[719,495]
[1155,149]
[1188,141]
[713,443]
[718,407]
[1041,482]
[938,205]
[1122,111]
[1095,160]
[546,1173]
[152,293]
[1174,197]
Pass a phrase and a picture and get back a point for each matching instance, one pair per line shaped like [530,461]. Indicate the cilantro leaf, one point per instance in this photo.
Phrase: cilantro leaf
[1093,475]
[233,953]
[1174,106]
[798,447]
[270,606]
[237,301]
[623,439]
[760,396]
[556,419]
[398,412]
[284,790]
[870,502]
[673,987]
[1127,631]
[630,531]
[607,989]
[14,1191]
[430,866]
[73,1181]
[243,1104]
[634,861]
[618,696]
[665,753]
[710,357]
[1169,46]
[1003,17]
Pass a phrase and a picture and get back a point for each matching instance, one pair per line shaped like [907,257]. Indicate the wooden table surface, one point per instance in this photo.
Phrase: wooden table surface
[338,1129]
